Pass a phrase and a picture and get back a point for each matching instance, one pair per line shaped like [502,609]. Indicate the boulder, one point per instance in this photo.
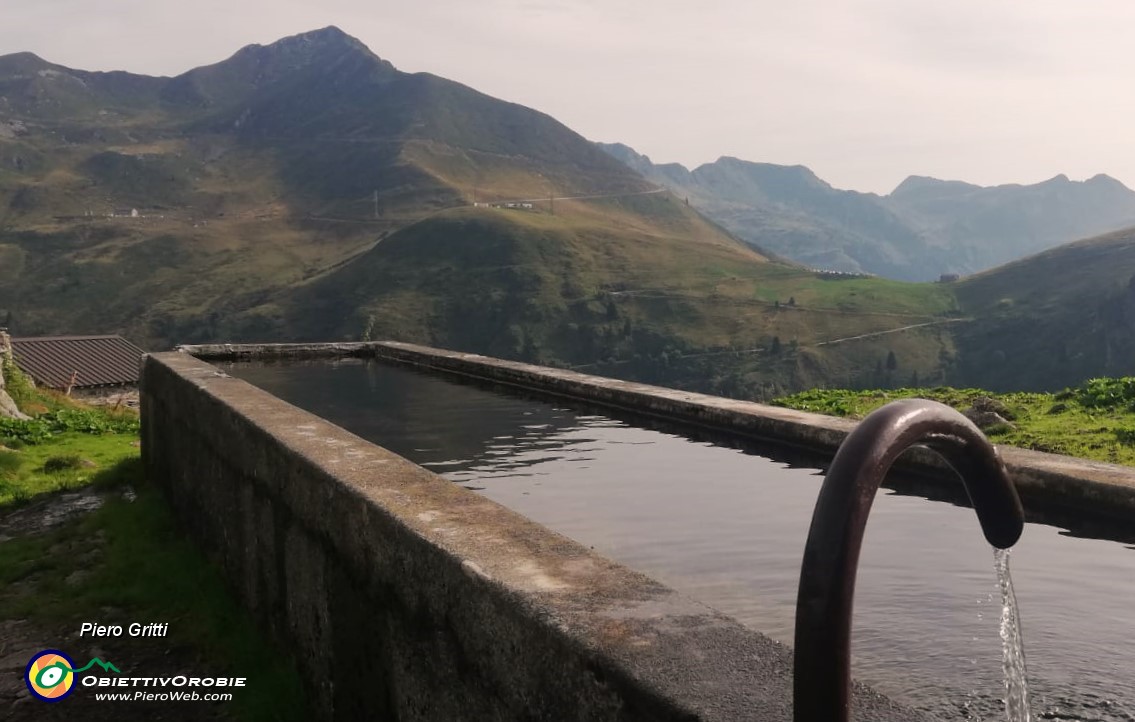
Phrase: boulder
[8,408]
[985,420]
[992,405]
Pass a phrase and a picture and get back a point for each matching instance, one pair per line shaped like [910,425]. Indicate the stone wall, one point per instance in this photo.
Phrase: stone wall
[406,597]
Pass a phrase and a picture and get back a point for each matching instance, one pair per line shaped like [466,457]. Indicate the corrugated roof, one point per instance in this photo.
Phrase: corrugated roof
[99,360]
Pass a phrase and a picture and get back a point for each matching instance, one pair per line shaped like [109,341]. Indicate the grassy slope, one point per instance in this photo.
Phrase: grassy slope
[680,281]
[626,279]
[1053,319]
[216,232]
[83,459]
[195,275]
[268,227]
[1062,423]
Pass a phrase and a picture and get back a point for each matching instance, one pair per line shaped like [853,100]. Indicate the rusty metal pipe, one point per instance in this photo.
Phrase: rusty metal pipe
[822,671]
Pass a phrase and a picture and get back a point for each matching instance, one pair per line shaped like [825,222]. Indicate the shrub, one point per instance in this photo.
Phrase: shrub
[31,431]
[1108,394]
[56,464]
[87,421]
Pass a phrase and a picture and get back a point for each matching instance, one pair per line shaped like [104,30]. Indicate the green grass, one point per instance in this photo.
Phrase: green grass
[39,468]
[64,445]
[127,556]
[147,569]
[1086,422]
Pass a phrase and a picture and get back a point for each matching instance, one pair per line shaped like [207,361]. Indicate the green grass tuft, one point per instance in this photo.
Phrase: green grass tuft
[10,463]
[56,464]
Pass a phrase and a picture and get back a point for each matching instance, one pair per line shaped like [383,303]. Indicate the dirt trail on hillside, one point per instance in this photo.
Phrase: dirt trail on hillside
[892,330]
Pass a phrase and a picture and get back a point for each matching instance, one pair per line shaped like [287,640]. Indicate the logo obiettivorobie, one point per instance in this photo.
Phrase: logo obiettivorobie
[50,675]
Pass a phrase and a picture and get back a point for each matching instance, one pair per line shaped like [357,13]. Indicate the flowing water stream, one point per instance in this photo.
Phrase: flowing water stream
[1013,650]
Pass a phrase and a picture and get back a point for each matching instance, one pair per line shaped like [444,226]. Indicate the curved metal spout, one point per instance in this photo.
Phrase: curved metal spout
[822,675]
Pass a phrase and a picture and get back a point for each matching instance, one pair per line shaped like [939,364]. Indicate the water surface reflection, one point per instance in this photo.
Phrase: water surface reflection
[728,527]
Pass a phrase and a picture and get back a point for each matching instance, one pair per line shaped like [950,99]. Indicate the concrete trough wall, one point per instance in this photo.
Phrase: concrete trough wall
[1065,489]
[1044,481]
[406,597]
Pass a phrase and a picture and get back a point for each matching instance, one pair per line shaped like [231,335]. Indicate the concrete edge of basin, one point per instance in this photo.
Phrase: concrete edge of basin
[668,652]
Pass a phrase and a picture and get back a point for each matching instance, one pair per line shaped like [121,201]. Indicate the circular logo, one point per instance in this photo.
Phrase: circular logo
[50,675]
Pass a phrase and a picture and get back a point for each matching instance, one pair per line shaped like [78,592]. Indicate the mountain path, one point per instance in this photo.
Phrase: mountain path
[892,330]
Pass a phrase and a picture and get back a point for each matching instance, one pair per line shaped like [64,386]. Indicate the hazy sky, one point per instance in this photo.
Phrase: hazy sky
[864,92]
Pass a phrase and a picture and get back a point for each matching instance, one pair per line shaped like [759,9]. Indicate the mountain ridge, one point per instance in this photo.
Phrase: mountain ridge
[924,228]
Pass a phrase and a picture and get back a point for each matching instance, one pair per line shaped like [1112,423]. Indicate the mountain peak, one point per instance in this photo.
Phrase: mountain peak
[328,37]
[329,32]
[328,51]
[24,62]
[311,47]
[1103,179]
[798,176]
[921,185]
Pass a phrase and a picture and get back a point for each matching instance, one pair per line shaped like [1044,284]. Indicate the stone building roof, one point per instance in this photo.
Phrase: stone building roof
[94,361]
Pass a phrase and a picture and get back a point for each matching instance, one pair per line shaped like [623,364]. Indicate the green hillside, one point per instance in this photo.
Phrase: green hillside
[1052,320]
[248,176]
[308,189]
[638,287]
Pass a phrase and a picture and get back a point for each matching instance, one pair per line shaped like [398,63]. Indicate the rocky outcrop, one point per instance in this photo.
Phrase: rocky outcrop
[986,420]
[8,408]
[989,413]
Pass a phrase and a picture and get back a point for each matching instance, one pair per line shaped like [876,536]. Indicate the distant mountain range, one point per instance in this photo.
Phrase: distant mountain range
[308,189]
[925,228]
